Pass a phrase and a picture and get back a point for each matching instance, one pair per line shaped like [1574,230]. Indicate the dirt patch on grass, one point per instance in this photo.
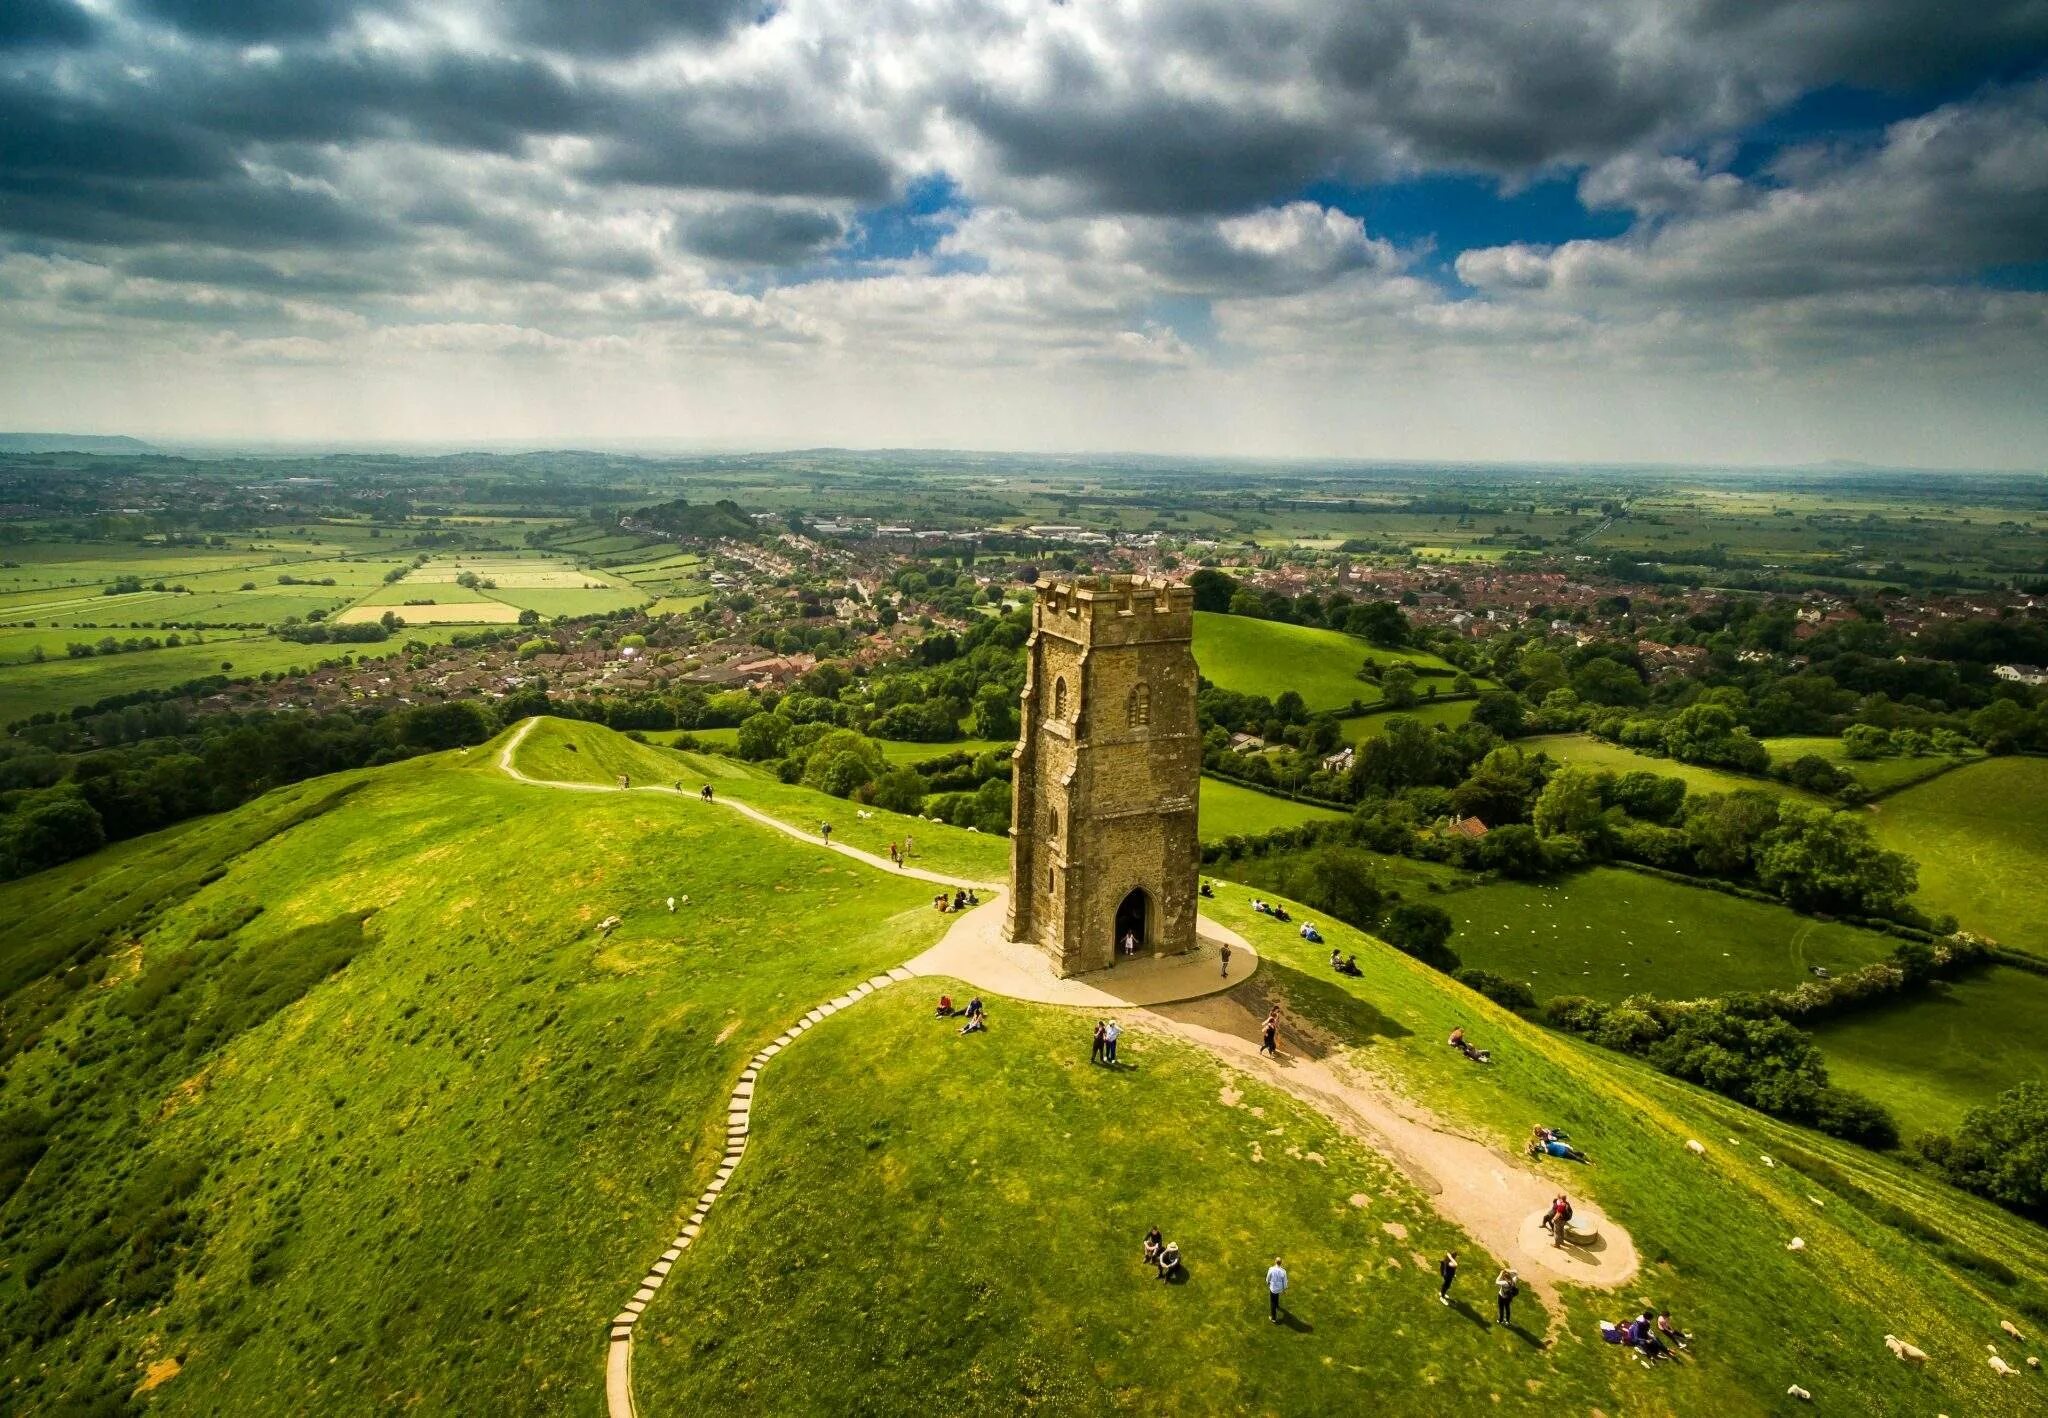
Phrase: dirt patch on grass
[158,1374]
[1488,1194]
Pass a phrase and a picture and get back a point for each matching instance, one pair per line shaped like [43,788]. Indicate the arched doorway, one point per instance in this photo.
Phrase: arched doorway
[1131,923]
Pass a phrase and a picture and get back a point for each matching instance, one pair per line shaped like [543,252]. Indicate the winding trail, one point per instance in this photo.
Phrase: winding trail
[1490,1195]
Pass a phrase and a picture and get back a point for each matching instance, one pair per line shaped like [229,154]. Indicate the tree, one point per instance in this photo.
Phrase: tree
[1402,755]
[1817,859]
[2000,726]
[1501,788]
[1865,741]
[58,826]
[1570,805]
[763,736]
[1502,711]
[1213,590]
[1421,931]
[1515,850]
[1722,828]
[529,617]
[1381,622]
[1708,733]
[1397,687]
[1652,797]
[900,790]
[1603,681]
[995,712]
[2001,1150]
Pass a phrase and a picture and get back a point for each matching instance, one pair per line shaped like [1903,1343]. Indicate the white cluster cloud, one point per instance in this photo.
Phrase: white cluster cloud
[692,217]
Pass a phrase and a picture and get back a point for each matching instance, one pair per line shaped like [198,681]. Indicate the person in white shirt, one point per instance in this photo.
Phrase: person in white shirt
[1276,1286]
[1110,1033]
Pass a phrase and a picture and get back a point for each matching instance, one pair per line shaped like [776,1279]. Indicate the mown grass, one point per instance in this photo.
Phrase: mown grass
[1980,835]
[1447,712]
[1598,754]
[422,1183]
[1228,810]
[1879,775]
[1609,933]
[1933,1058]
[1268,657]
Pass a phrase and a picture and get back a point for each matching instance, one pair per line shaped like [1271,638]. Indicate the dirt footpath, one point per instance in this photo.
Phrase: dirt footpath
[1492,1197]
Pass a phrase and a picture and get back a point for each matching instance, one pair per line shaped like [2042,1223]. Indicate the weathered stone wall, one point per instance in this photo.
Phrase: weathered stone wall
[1108,769]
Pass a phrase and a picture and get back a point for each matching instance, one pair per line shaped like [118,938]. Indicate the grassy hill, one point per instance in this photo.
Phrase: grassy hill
[1981,839]
[1610,933]
[344,1102]
[1228,810]
[1879,775]
[1598,754]
[1252,656]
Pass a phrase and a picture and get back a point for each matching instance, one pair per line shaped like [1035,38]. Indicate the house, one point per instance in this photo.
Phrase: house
[1246,743]
[1338,762]
[2022,674]
[1470,827]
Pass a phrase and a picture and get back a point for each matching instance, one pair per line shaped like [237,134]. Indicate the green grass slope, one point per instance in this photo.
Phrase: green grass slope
[931,1221]
[1879,775]
[1228,810]
[1610,933]
[1980,835]
[1598,754]
[376,1117]
[1268,657]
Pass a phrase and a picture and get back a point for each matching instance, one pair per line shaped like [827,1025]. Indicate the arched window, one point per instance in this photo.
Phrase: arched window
[1138,708]
[1059,698]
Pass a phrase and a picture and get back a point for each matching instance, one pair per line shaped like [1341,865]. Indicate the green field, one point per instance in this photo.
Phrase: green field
[1980,835]
[1933,1058]
[363,1112]
[1267,657]
[1879,775]
[1589,752]
[1610,933]
[1451,714]
[1228,810]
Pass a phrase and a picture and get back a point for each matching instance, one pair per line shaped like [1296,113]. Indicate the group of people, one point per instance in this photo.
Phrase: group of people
[1652,1336]
[1161,1254]
[960,900]
[1107,1032]
[1506,1286]
[1310,934]
[899,853]
[1558,1220]
[1550,1142]
[1270,908]
[977,1019]
[1343,965]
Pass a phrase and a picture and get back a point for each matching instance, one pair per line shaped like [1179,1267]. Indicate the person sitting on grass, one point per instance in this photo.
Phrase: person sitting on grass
[1310,934]
[1169,1260]
[1259,907]
[959,900]
[945,1007]
[1670,1333]
[1208,891]
[1280,914]
[1644,1336]
[972,899]
[939,902]
[1337,960]
[1154,1243]
[977,1022]
[1350,966]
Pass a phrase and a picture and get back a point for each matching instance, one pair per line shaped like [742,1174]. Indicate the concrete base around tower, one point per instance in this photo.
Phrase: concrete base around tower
[978,951]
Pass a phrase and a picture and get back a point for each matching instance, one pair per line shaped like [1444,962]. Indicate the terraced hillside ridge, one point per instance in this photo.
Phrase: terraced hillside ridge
[369,1110]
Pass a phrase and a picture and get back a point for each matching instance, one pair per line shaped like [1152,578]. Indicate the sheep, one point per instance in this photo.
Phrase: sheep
[2010,1328]
[1797,1243]
[1799,1393]
[1695,1147]
[1999,1366]
[1905,1351]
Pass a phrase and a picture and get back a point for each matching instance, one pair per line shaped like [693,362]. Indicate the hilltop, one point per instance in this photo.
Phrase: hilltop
[348,1098]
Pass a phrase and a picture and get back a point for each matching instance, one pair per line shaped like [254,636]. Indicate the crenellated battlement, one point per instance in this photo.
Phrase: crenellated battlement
[1119,608]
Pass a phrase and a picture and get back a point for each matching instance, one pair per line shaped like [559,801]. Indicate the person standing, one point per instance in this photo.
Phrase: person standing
[895,854]
[1095,1050]
[1506,1286]
[1447,1271]
[825,831]
[1111,1032]
[1276,1286]
[1226,959]
[907,840]
[1269,1034]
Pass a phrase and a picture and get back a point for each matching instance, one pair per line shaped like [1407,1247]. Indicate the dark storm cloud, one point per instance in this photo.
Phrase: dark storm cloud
[251,21]
[622,27]
[759,234]
[741,142]
[44,22]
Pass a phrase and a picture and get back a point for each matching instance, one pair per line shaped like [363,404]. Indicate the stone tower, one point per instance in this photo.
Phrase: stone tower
[1108,768]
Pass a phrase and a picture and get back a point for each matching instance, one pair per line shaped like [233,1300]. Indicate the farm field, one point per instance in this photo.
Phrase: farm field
[1589,752]
[1879,775]
[1268,657]
[452,611]
[1228,810]
[1980,835]
[59,684]
[1450,713]
[1609,933]
[1933,1058]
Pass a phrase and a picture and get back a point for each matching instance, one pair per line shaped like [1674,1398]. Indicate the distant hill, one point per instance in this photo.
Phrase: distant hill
[710,521]
[72,443]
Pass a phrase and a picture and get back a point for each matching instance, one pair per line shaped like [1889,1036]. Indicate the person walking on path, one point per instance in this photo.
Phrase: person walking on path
[1276,1286]
[706,794]
[1506,1286]
[896,854]
[1111,1032]
[1269,1034]
[825,831]
[1226,959]
[1095,1050]
[1447,1270]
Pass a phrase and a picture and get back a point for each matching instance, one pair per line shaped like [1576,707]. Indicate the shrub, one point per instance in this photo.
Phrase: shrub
[1421,930]
[1509,994]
